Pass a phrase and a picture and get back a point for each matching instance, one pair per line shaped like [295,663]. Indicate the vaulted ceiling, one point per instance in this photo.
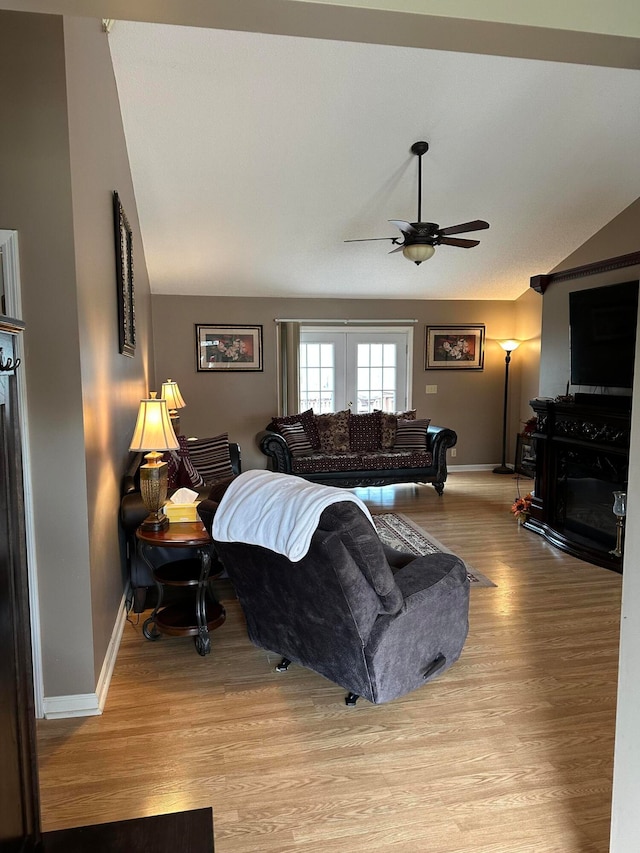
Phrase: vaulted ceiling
[255,156]
[268,132]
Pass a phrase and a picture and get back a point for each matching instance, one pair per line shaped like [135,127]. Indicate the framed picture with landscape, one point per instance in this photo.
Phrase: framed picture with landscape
[226,347]
[454,347]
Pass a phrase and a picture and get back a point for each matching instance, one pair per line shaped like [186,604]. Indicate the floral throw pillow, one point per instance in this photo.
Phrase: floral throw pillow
[388,423]
[333,429]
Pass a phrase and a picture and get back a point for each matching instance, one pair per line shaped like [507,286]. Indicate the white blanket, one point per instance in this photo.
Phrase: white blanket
[277,511]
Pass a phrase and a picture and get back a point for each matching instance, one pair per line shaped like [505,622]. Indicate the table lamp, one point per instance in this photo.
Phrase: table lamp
[620,511]
[154,433]
[171,393]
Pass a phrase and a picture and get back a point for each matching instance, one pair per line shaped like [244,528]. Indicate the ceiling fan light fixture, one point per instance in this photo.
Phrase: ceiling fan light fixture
[418,252]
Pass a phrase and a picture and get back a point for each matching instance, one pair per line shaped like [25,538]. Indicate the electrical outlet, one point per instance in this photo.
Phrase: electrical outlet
[454,451]
[431,389]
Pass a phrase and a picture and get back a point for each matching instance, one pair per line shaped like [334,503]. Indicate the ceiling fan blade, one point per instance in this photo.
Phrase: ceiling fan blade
[369,239]
[475,225]
[399,249]
[457,241]
[405,227]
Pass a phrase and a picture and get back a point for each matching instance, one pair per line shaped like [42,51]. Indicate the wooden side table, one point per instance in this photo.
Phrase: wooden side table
[203,613]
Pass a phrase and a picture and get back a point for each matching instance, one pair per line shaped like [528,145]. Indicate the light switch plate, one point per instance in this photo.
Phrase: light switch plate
[431,389]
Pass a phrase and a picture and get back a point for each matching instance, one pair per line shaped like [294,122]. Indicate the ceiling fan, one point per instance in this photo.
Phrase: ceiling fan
[419,239]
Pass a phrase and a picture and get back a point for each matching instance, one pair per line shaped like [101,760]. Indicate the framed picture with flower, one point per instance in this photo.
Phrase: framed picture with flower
[227,347]
[454,347]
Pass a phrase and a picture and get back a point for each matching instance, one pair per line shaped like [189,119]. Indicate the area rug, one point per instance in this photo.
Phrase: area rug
[400,532]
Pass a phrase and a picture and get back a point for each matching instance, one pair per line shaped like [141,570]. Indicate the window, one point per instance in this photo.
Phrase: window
[317,375]
[359,370]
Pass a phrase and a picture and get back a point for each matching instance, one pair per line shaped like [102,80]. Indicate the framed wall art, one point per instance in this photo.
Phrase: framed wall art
[454,348]
[124,279]
[226,347]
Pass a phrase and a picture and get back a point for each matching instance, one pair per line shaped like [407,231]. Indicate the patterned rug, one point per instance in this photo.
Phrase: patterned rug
[400,532]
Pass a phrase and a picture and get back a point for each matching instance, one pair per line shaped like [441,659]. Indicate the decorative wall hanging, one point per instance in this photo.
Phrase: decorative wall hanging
[124,279]
[454,347]
[226,347]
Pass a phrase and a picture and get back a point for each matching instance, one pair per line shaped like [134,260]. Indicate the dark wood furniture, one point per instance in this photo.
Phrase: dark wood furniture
[132,514]
[582,457]
[200,612]
[187,832]
[19,802]
[525,462]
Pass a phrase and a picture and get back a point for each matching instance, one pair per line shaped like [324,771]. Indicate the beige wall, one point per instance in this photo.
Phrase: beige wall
[528,330]
[61,154]
[112,384]
[618,237]
[576,31]
[243,403]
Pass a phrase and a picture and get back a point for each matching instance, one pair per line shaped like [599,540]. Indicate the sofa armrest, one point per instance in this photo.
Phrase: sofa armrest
[421,574]
[273,445]
[439,440]
[130,480]
[236,457]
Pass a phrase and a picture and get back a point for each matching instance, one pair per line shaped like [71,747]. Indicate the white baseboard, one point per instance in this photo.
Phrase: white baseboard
[90,704]
[73,705]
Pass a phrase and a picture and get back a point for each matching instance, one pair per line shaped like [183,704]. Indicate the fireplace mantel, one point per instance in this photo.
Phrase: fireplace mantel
[582,457]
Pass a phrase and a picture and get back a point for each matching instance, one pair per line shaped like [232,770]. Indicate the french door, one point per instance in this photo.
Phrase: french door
[359,370]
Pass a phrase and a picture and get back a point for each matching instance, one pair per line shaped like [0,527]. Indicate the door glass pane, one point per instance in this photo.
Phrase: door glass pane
[361,370]
[317,377]
[376,377]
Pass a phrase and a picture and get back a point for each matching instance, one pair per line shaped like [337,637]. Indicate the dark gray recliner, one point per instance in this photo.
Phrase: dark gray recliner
[378,622]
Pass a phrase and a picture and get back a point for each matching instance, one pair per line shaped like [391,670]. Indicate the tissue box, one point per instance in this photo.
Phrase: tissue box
[182,512]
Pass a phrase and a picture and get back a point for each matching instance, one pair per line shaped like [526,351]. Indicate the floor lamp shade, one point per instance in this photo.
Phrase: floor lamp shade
[153,433]
[508,346]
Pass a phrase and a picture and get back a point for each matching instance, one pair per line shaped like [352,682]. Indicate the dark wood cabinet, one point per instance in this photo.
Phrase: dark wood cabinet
[525,463]
[19,808]
[582,457]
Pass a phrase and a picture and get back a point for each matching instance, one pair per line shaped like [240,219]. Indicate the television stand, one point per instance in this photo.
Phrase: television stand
[615,402]
[582,457]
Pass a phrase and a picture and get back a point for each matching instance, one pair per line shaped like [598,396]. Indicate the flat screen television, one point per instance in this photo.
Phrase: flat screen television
[602,325]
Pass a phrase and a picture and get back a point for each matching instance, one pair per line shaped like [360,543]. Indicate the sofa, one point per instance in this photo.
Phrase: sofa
[350,450]
[203,465]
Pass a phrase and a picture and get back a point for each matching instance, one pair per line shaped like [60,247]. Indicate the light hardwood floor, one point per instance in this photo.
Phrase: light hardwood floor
[510,751]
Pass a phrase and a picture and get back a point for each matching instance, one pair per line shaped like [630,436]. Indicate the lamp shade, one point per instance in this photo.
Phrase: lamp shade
[418,252]
[171,393]
[510,345]
[153,428]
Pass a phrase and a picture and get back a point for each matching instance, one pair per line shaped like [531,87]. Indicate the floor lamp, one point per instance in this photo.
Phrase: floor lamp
[508,347]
